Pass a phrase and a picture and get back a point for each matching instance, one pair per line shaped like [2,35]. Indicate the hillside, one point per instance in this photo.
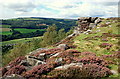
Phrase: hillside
[90,52]
[36,23]
[29,27]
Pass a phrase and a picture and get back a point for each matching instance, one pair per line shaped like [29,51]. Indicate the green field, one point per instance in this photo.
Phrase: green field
[5,30]
[22,30]
[28,30]
[6,33]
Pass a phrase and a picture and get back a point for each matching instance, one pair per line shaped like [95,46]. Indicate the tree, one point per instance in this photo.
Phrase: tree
[50,37]
[15,32]
[69,32]
[61,34]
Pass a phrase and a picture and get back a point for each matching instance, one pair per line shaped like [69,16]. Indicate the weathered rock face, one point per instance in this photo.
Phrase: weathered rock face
[69,65]
[85,23]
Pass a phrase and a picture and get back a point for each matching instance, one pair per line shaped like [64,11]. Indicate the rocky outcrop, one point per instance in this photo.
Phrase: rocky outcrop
[34,65]
[63,46]
[85,23]
[69,65]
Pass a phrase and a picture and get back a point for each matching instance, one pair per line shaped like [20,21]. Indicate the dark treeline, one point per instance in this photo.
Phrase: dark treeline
[18,35]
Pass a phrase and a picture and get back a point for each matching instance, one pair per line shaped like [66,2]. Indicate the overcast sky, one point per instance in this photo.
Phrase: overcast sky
[58,8]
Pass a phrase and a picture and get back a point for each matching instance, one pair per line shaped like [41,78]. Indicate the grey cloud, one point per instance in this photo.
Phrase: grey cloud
[110,3]
[21,7]
[70,6]
[105,3]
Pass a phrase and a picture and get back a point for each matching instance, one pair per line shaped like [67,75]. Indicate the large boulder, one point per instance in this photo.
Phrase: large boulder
[42,56]
[59,60]
[97,21]
[62,46]
[64,67]
[37,50]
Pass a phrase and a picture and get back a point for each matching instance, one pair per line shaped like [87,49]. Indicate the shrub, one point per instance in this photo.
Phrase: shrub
[105,45]
[68,60]
[16,70]
[87,54]
[110,31]
[95,70]
[119,68]
[65,54]
[91,60]
[72,46]
[72,51]
[71,73]
[3,71]
[16,61]
[18,50]
[91,71]
[49,51]
[68,53]
[37,71]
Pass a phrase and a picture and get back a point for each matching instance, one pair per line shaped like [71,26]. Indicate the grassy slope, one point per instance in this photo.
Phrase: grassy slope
[92,44]
[5,30]
[22,47]
[22,40]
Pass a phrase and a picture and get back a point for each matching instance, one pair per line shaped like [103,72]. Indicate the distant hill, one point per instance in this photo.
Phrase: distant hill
[39,23]
[32,27]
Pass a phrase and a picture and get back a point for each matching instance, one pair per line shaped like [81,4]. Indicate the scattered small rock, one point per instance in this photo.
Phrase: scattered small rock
[114,72]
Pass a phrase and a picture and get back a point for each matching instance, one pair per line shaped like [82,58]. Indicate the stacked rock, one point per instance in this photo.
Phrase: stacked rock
[85,23]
